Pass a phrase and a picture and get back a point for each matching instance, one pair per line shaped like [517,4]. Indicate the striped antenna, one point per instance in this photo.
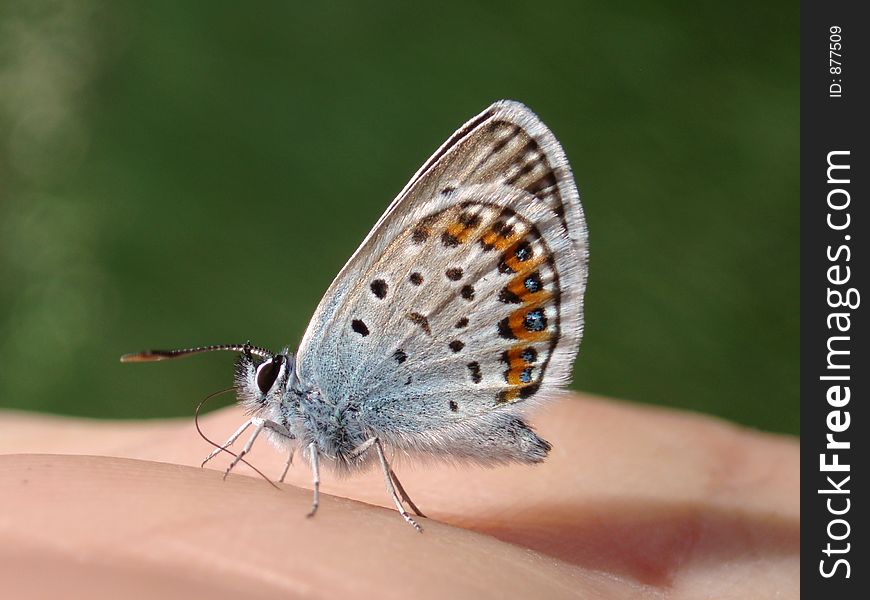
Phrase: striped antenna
[155,355]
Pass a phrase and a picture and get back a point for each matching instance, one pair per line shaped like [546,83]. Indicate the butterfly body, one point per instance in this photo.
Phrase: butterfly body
[462,307]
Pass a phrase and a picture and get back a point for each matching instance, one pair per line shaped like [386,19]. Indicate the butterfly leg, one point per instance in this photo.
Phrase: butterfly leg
[391,488]
[287,464]
[404,494]
[361,449]
[315,469]
[258,424]
[230,441]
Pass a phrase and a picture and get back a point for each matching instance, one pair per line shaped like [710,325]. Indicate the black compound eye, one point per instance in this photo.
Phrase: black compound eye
[267,373]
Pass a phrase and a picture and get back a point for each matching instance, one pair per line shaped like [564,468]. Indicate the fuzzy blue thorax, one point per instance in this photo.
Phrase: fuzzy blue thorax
[271,389]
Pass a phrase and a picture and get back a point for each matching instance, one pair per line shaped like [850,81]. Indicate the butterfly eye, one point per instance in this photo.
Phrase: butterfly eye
[268,372]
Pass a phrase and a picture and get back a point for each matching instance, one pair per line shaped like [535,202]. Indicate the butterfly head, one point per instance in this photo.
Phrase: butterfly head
[261,382]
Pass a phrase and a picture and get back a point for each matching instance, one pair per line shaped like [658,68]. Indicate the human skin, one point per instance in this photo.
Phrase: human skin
[633,502]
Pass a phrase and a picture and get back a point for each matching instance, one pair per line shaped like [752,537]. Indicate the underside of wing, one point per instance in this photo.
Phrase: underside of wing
[505,144]
[467,296]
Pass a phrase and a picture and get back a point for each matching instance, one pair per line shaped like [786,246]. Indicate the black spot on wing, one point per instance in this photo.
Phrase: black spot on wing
[449,240]
[474,368]
[469,220]
[420,234]
[508,297]
[379,288]
[454,273]
[359,327]
[503,229]
[504,330]
[529,390]
[421,321]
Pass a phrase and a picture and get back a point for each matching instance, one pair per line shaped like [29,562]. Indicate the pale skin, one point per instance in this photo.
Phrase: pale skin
[633,502]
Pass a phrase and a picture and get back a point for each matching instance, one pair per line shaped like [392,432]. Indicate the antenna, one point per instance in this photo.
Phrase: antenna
[155,355]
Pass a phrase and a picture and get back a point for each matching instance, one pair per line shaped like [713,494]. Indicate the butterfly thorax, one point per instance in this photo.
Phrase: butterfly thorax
[272,389]
[332,425]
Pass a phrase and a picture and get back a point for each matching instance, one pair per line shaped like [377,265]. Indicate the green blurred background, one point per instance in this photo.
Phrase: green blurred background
[182,173]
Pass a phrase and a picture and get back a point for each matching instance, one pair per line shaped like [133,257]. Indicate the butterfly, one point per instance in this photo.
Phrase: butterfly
[462,307]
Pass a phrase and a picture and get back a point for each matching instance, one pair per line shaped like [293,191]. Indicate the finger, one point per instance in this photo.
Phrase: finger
[656,496]
[128,526]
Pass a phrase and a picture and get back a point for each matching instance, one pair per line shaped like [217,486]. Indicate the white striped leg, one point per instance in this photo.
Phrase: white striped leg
[391,488]
[315,470]
[287,464]
[259,424]
[230,441]
[362,449]
[405,495]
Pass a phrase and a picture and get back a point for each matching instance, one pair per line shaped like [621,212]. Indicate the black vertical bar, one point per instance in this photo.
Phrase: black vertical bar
[834,265]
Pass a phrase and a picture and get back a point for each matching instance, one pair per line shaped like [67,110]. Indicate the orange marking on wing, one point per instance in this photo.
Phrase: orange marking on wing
[532,336]
[489,238]
[513,377]
[515,354]
[494,239]
[515,322]
[516,365]
[517,287]
[460,232]
[517,265]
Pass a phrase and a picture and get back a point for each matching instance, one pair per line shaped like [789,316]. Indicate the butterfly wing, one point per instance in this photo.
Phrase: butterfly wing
[467,296]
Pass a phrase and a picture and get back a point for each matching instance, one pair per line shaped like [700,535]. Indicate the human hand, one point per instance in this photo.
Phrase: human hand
[633,502]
